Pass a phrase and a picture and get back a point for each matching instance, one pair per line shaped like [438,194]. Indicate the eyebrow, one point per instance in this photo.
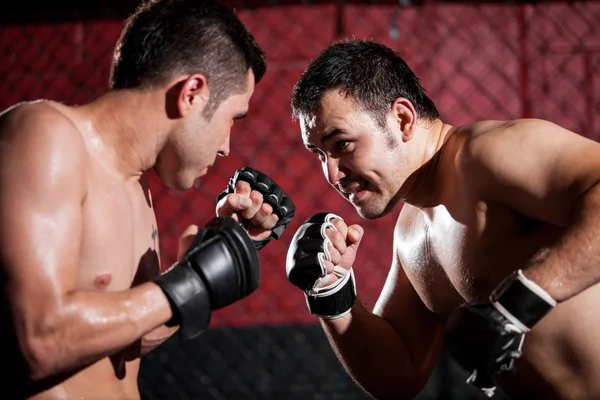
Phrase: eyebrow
[240,116]
[335,132]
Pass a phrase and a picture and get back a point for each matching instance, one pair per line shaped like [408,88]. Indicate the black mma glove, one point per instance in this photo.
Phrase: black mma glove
[306,270]
[272,195]
[486,338]
[220,267]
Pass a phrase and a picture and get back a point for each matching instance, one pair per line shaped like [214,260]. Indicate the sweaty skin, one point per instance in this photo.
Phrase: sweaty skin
[480,201]
[79,234]
[101,240]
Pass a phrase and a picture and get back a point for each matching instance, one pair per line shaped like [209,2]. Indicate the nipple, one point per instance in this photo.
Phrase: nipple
[102,281]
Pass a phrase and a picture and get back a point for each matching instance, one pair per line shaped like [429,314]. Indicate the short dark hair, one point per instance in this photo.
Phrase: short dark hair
[164,38]
[371,73]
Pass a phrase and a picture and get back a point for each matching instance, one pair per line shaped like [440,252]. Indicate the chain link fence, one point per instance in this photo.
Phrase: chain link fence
[476,60]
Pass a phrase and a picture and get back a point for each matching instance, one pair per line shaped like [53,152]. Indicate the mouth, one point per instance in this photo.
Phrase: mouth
[351,191]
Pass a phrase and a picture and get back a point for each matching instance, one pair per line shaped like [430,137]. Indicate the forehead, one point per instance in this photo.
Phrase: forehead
[333,111]
[250,85]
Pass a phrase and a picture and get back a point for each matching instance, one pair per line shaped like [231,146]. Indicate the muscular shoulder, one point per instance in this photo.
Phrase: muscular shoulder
[40,138]
[38,125]
[523,157]
[485,141]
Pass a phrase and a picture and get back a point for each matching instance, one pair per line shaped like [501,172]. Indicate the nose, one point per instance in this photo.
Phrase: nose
[331,169]
[224,149]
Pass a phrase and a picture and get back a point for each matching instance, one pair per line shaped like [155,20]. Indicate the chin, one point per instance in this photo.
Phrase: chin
[184,179]
[367,213]
[183,185]
[177,182]
[374,209]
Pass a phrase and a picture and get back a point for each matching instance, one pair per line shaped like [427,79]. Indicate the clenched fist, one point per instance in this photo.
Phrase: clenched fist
[319,261]
[257,202]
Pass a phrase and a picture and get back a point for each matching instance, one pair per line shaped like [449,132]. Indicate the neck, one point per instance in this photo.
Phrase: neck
[426,184]
[128,139]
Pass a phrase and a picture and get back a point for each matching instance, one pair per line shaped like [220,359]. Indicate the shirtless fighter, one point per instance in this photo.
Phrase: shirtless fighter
[82,297]
[498,239]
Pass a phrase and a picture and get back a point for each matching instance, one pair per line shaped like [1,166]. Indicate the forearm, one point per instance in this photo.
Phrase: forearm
[373,353]
[160,334]
[572,264]
[88,326]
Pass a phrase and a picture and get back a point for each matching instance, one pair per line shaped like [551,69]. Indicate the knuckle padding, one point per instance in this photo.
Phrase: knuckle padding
[273,195]
[315,231]
[305,273]
[323,217]
[310,245]
[306,268]
[305,257]
[309,255]
[287,206]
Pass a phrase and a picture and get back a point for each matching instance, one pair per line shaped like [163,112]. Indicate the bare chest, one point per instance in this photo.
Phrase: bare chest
[455,258]
[119,246]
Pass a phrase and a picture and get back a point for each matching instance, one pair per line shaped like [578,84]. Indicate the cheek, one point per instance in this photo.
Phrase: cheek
[377,166]
[222,132]
[187,145]
[367,160]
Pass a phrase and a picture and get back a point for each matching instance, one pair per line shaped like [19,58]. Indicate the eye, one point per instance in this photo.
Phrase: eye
[319,154]
[342,145]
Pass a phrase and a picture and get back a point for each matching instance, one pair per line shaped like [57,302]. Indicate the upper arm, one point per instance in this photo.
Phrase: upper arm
[538,168]
[400,305]
[42,187]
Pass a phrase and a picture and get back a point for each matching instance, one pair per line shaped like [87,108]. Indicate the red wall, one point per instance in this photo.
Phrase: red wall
[492,62]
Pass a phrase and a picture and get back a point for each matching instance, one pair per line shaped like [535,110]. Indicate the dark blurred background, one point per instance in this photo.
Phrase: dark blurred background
[478,60]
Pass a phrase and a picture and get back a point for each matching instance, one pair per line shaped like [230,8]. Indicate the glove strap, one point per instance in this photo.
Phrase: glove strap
[521,301]
[335,300]
[189,300]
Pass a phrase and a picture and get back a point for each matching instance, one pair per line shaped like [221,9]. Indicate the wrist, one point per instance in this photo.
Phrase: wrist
[155,301]
[339,326]
[188,299]
[521,301]
[335,300]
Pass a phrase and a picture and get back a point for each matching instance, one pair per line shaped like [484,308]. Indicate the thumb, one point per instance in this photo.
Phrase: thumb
[232,203]
[355,235]
[191,230]
[185,240]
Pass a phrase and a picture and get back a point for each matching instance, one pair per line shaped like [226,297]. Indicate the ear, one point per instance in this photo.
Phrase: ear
[405,116]
[193,95]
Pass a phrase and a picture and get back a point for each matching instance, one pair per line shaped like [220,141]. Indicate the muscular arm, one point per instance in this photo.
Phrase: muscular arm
[549,174]
[390,352]
[59,329]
